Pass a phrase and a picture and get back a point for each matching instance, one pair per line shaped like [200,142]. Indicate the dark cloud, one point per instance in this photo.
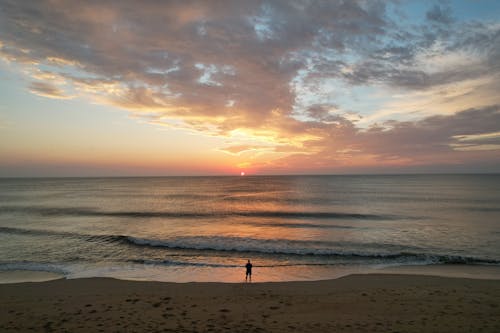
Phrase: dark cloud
[439,14]
[435,139]
[325,113]
[432,135]
[47,90]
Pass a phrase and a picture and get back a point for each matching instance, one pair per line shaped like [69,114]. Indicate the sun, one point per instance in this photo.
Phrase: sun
[242,173]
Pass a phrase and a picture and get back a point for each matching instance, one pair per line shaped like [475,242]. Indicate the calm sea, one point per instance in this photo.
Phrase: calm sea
[206,228]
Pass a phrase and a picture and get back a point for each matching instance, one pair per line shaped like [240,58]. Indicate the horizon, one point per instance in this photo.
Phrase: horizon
[264,175]
[269,88]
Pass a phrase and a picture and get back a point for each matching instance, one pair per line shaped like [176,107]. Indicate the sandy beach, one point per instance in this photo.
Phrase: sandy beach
[356,303]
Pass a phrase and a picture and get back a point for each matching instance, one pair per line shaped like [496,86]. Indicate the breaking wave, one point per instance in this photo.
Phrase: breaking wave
[349,251]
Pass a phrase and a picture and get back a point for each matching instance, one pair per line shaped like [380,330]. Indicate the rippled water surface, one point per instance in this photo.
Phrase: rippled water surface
[291,227]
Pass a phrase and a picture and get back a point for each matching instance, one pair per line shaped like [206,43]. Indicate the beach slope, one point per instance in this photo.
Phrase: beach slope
[356,303]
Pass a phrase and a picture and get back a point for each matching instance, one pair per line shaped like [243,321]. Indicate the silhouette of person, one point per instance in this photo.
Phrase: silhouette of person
[249,271]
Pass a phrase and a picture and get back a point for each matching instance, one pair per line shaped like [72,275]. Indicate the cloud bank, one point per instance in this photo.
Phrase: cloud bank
[328,84]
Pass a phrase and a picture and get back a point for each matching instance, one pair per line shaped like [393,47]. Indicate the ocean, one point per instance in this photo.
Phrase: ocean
[206,228]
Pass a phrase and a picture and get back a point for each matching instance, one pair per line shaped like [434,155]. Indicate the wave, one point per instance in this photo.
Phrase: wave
[183,263]
[64,234]
[71,211]
[217,265]
[307,250]
[309,225]
[483,209]
[398,259]
[289,247]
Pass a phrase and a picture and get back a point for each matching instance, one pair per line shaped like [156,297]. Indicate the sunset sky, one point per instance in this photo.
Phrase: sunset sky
[103,88]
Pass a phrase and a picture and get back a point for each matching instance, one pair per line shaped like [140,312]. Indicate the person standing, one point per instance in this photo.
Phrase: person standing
[249,271]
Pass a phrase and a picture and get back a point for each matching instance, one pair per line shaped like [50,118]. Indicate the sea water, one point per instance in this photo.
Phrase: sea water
[206,228]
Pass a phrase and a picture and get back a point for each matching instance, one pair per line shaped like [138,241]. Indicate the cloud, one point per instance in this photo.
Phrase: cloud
[328,80]
[186,60]
[439,15]
[47,90]
[436,139]
[483,141]
[480,138]
[237,150]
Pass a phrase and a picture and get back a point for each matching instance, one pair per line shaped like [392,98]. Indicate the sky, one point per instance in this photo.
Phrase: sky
[153,88]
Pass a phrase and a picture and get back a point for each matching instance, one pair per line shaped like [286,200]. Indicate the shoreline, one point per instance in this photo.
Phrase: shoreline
[354,303]
[187,275]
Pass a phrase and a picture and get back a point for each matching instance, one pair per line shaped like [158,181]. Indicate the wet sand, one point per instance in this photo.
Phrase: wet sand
[356,303]
[27,276]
